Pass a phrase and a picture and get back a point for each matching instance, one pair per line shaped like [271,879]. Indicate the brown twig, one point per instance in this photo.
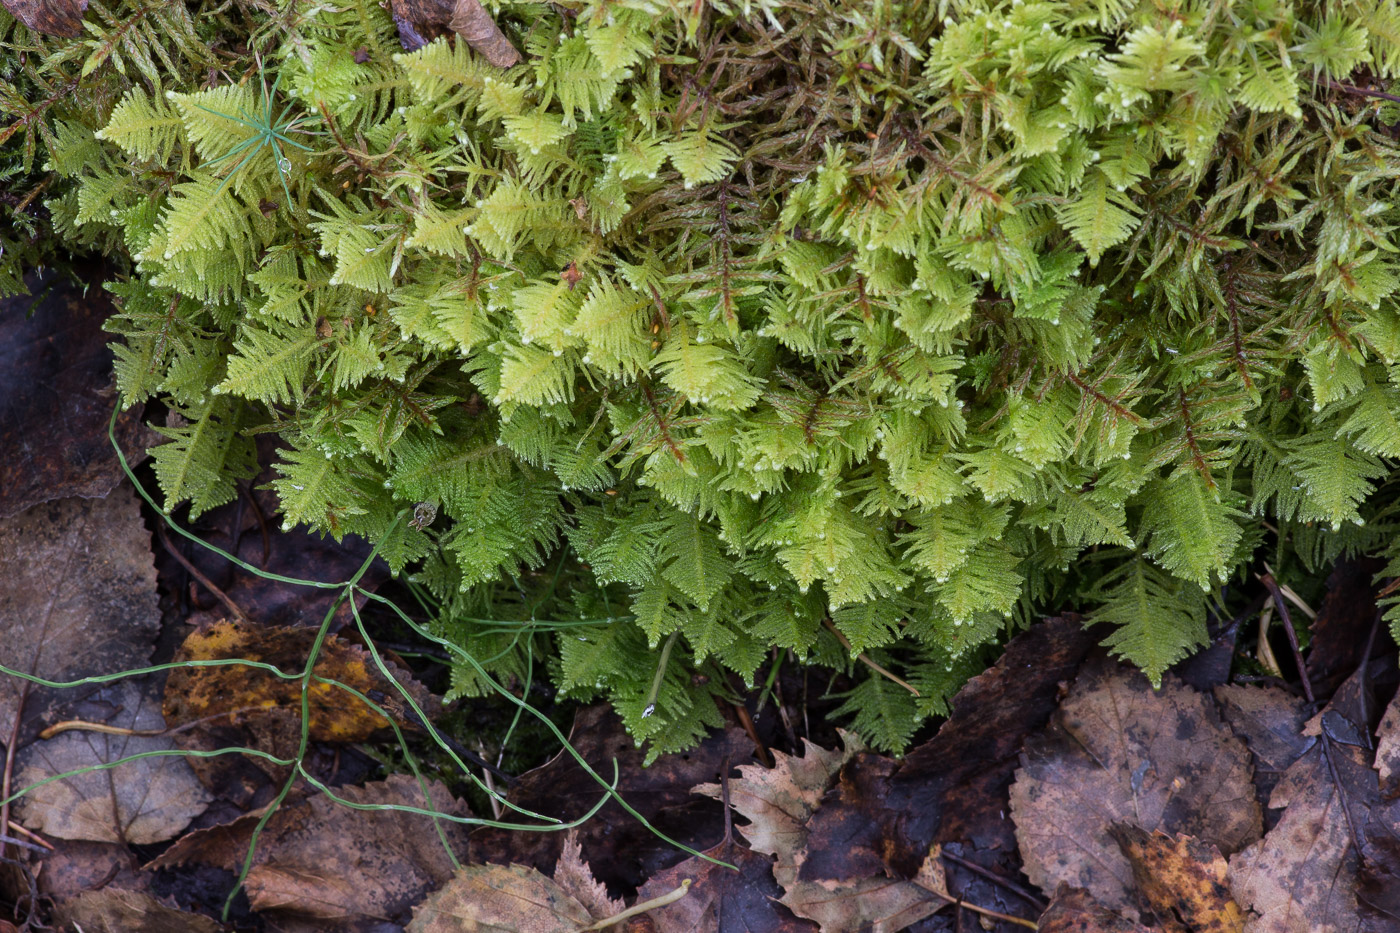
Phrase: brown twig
[993,877]
[1362,91]
[1272,586]
[984,911]
[760,749]
[869,663]
[69,725]
[30,834]
[194,571]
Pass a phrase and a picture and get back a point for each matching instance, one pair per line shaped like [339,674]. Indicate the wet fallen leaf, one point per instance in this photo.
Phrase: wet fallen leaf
[320,865]
[76,866]
[55,366]
[1301,877]
[418,20]
[114,910]
[1210,667]
[1344,619]
[141,802]
[780,803]
[1118,751]
[1074,910]
[77,593]
[720,899]
[623,852]
[500,899]
[1182,881]
[330,863]
[952,790]
[1388,751]
[243,693]
[237,705]
[241,527]
[1378,882]
[1270,720]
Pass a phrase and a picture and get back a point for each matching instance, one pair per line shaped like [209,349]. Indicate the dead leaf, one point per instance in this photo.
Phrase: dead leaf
[51,17]
[1301,877]
[574,876]
[723,900]
[113,910]
[319,865]
[499,899]
[239,528]
[1118,751]
[141,802]
[1182,881]
[76,866]
[780,803]
[55,367]
[1074,910]
[1344,619]
[418,20]
[952,790]
[1378,885]
[78,596]
[1270,720]
[622,851]
[237,705]
[223,845]
[243,693]
[570,275]
[1388,751]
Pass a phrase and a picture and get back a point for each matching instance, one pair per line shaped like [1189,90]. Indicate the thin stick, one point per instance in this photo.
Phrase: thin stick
[993,877]
[1363,92]
[195,572]
[1273,587]
[984,911]
[30,834]
[867,662]
[746,721]
[85,726]
[262,525]
[496,809]
[11,840]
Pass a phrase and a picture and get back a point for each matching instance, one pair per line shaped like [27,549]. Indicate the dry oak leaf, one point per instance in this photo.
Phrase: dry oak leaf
[500,899]
[1182,880]
[141,802]
[1301,877]
[1118,751]
[779,802]
[114,910]
[238,693]
[78,596]
[1074,910]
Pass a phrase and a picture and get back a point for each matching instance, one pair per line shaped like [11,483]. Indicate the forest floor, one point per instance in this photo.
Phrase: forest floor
[1258,789]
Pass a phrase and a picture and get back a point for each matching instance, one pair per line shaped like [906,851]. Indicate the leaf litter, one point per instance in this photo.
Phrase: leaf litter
[140,802]
[1063,791]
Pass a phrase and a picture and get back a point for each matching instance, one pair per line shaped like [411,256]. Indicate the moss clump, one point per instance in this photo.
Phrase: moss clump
[833,328]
